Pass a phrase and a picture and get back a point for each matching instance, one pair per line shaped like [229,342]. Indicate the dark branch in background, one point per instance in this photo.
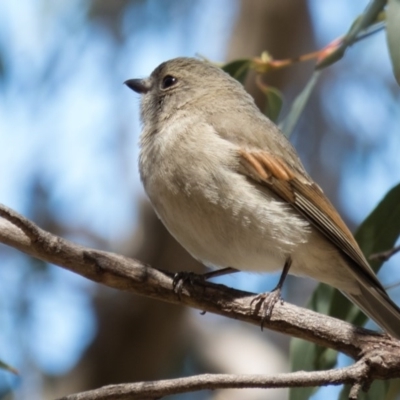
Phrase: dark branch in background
[385,255]
[379,354]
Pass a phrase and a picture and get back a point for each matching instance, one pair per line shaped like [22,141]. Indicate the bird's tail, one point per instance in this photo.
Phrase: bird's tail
[375,303]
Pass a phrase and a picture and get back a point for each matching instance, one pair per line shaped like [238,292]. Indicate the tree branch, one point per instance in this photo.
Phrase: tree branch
[380,352]
[156,389]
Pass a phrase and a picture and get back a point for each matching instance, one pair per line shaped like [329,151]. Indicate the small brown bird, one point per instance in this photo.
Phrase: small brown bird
[232,190]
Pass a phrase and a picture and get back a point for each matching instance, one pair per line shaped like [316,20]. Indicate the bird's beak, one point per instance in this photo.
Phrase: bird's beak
[140,86]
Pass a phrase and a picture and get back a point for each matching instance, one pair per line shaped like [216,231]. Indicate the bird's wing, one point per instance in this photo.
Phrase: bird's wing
[293,186]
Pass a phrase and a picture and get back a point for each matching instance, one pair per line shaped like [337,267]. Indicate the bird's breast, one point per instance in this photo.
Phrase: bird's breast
[216,213]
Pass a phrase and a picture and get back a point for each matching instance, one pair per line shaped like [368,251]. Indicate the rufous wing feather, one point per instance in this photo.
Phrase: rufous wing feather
[307,198]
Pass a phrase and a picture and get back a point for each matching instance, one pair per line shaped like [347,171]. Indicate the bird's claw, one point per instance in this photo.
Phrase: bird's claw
[265,302]
[180,278]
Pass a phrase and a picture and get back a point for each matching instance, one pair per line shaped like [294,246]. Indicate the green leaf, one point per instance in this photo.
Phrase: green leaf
[377,233]
[298,105]
[393,35]
[394,389]
[381,228]
[238,69]
[274,102]
[369,16]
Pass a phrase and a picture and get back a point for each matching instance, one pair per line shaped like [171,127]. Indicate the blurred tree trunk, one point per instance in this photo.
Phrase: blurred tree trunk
[283,29]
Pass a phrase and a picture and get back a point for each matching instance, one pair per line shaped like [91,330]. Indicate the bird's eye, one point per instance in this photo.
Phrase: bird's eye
[168,81]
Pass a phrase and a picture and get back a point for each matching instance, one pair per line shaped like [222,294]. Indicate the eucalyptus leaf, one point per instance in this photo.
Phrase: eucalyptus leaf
[288,124]
[367,18]
[379,232]
[238,69]
[274,103]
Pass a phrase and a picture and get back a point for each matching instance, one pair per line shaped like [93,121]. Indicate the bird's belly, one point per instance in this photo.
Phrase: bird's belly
[219,242]
[253,235]
[248,230]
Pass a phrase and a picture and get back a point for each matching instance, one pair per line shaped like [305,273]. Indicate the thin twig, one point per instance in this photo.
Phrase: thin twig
[158,389]
[385,255]
[354,391]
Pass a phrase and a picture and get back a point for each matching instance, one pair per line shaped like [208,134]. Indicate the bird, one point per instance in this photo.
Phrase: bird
[231,188]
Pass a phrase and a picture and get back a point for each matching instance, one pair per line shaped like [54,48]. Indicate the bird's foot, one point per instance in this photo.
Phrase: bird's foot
[180,278]
[265,302]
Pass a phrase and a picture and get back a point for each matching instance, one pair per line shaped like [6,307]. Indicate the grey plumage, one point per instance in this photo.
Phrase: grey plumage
[232,190]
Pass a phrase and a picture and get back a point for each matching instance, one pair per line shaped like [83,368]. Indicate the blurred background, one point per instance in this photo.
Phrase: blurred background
[68,160]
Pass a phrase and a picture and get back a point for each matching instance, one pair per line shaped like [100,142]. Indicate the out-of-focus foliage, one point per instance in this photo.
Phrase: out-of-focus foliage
[238,69]
[289,123]
[361,28]
[365,21]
